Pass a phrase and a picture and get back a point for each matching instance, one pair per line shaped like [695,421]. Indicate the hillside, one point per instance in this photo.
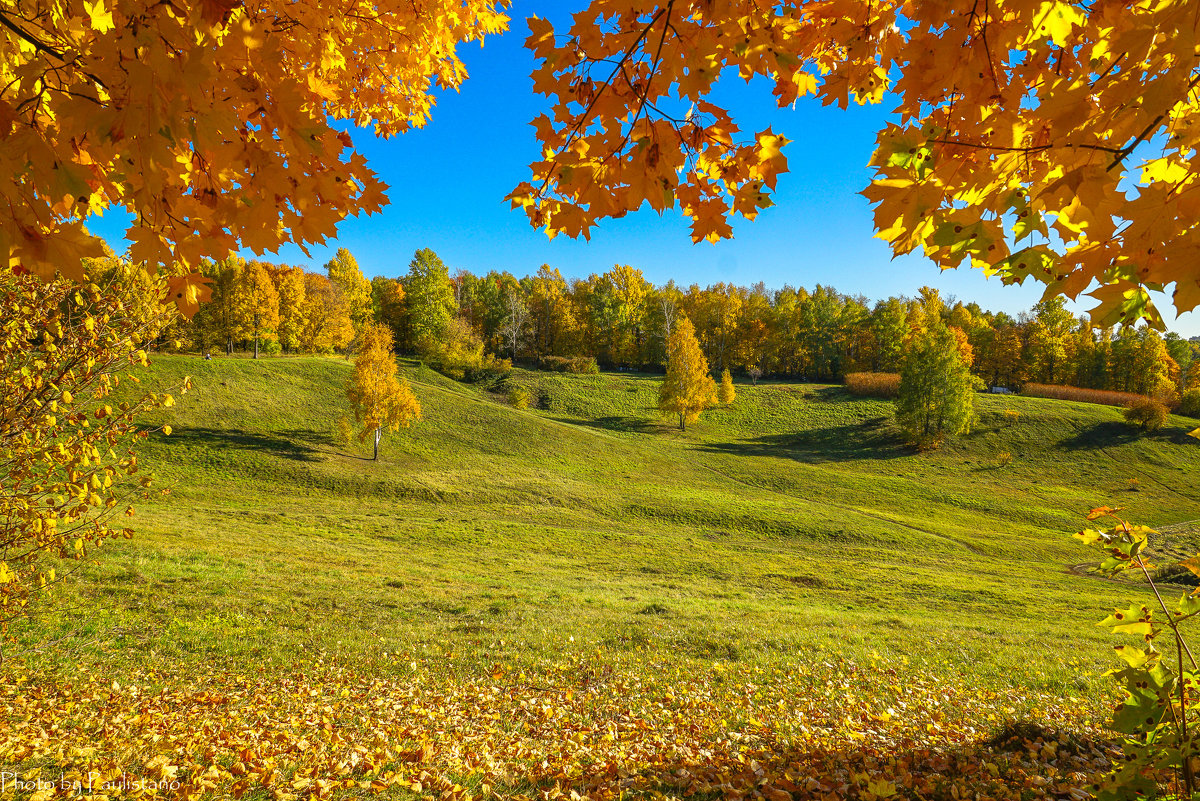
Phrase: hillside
[792,520]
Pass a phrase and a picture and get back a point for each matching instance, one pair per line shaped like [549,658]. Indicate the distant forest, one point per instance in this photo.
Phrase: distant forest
[465,322]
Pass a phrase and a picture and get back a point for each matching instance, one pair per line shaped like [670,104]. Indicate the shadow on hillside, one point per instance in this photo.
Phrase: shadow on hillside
[308,435]
[1112,433]
[628,425]
[243,440]
[870,439]
[834,394]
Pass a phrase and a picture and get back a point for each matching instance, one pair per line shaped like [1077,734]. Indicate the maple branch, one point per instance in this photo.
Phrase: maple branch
[37,44]
[1025,150]
[1109,69]
[649,77]
[42,47]
[578,126]
[1124,152]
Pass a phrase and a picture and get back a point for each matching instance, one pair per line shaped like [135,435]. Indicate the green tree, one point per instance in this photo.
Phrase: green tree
[380,399]
[430,296]
[937,390]
[688,389]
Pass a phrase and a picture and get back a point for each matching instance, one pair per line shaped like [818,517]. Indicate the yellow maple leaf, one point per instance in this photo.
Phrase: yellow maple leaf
[101,20]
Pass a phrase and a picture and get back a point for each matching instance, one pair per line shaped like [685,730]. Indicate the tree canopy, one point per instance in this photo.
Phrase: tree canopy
[1035,139]
[211,121]
[1040,139]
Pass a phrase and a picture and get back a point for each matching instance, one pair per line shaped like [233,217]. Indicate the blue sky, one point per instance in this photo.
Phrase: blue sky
[448,183]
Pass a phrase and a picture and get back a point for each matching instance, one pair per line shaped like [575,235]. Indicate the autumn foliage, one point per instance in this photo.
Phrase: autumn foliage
[725,389]
[1015,149]
[1148,414]
[380,399]
[875,385]
[580,727]
[212,122]
[69,466]
[688,389]
[1081,395]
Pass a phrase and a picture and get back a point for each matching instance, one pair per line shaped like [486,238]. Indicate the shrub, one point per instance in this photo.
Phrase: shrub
[1004,458]
[343,432]
[1156,720]
[1012,416]
[518,397]
[458,353]
[875,385]
[581,365]
[1102,396]
[1148,414]
[1189,404]
[725,390]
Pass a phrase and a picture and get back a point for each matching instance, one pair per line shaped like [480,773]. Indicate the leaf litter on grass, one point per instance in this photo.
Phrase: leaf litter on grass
[624,726]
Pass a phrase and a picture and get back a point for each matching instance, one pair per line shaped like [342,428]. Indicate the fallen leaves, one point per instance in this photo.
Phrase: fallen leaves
[569,729]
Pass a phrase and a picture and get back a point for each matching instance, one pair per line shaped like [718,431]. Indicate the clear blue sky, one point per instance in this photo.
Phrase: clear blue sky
[448,183]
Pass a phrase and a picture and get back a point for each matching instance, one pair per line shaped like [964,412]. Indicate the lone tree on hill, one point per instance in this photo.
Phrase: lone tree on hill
[688,388]
[937,390]
[380,399]
[725,391]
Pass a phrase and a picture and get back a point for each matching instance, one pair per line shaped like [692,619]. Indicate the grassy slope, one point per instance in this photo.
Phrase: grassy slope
[792,520]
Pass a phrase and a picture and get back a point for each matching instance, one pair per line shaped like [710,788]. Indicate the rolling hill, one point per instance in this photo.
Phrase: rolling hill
[793,521]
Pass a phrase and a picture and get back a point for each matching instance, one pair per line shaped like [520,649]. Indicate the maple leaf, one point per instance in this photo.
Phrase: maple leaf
[187,292]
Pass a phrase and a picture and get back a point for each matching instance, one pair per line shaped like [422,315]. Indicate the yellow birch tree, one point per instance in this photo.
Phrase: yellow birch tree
[688,388]
[380,399]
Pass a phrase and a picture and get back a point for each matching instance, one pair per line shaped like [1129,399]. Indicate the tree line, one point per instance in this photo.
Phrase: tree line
[462,321]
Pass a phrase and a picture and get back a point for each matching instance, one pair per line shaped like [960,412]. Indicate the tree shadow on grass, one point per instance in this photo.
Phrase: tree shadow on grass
[1113,433]
[243,440]
[870,439]
[618,423]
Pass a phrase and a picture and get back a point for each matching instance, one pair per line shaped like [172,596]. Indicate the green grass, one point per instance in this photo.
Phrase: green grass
[793,523]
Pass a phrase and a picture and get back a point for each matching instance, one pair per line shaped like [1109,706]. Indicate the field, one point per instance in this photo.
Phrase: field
[789,543]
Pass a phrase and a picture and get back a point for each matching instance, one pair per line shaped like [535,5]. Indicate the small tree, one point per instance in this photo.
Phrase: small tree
[755,373]
[937,390]
[688,389]
[380,399]
[725,392]
[515,318]
[1148,414]
[66,448]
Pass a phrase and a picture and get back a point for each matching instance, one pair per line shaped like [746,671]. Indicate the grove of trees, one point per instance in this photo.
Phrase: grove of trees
[461,320]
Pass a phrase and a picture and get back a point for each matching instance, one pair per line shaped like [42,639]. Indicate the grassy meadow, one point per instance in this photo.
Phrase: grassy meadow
[793,520]
[790,541]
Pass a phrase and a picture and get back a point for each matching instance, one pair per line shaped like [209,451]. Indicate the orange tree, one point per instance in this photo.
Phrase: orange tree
[67,468]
